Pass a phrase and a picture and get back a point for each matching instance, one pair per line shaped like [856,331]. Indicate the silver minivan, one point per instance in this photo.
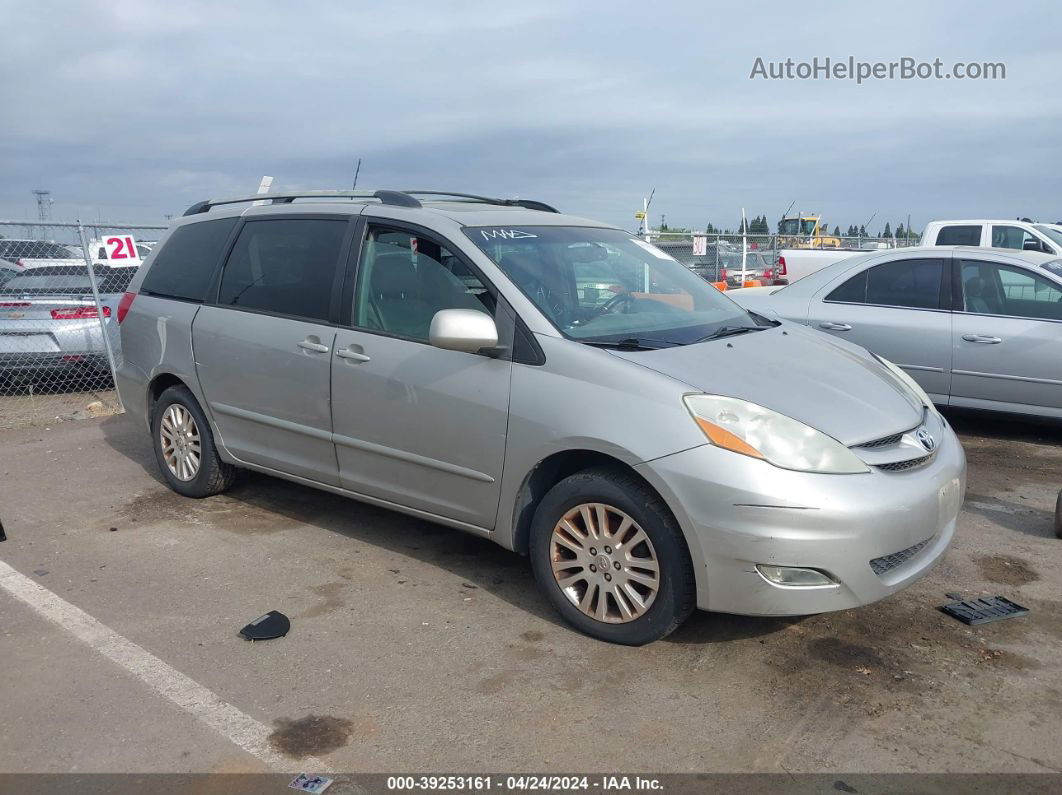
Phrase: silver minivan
[649,444]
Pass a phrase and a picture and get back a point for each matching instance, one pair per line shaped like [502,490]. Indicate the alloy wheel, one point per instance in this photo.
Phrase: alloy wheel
[604,563]
[181,444]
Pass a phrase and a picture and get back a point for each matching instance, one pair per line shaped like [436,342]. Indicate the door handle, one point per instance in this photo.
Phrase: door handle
[354,356]
[982,338]
[829,326]
[309,345]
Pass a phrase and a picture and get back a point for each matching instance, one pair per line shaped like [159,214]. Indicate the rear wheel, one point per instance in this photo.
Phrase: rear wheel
[184,446]
[611,559]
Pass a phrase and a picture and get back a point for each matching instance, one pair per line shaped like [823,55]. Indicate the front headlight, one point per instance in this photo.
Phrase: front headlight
[907,381]
[752,430]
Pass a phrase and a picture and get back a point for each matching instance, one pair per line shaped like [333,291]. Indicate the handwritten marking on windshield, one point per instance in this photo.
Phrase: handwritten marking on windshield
[505,234]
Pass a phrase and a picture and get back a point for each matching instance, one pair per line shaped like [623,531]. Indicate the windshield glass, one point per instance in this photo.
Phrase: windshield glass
[1051,232]
[603,285]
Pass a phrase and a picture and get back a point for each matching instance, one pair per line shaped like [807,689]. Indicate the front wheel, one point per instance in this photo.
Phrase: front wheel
[611,559]
[184,446]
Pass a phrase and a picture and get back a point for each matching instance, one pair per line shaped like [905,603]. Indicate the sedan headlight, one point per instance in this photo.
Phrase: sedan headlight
[907,381]
[752,430]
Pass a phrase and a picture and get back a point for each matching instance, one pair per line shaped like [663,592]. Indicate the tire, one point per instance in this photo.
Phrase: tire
[212,475]
[621,496]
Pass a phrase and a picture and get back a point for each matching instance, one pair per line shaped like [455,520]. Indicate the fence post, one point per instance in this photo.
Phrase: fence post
[99,311]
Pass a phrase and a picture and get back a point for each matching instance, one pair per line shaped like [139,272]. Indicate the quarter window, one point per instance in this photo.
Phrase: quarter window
[186,263]
[284,267]
[957,235]
[993,289]
[405,278]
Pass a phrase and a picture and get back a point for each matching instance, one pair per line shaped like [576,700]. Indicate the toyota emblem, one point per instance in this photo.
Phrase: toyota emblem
[926,438]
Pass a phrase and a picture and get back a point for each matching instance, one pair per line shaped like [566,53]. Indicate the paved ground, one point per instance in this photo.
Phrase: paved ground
[415,647]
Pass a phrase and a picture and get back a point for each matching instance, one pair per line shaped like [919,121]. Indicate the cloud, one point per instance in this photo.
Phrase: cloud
[138,109]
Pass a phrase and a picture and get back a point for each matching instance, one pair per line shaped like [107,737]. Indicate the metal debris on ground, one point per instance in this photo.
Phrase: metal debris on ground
[307,783]
[984,610]
[273,624]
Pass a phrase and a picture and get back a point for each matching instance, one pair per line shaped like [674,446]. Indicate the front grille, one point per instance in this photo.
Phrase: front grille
[903,466]
[885,441]
[887,563]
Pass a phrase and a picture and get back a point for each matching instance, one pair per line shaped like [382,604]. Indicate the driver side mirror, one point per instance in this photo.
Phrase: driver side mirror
[466,330]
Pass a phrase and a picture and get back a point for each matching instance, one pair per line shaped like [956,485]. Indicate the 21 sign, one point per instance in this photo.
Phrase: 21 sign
[121,248]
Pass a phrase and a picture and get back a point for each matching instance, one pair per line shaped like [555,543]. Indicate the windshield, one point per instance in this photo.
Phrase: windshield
[603,285]
[1052,232]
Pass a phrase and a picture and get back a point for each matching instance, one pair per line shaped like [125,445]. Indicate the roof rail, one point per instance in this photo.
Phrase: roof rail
[527,204]
[397,198]
[385,197]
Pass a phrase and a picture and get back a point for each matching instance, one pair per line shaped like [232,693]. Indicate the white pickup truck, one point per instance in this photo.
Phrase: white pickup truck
[796,263]
[1019,235]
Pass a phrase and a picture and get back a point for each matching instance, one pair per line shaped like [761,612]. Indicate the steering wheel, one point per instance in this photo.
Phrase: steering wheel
[614,301]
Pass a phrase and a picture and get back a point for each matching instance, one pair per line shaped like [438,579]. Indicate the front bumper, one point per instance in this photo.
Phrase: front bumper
[738,511]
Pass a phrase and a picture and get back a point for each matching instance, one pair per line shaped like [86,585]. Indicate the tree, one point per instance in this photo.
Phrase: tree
[862,231]
[900,231]
[888,230]
[837,231]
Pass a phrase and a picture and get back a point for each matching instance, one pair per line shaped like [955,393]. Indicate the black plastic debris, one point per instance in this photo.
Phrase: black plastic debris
[273,624]
[3,535]
[984,610]
[307,783]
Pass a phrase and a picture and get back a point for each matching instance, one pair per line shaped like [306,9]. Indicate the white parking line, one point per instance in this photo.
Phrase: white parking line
[198,701]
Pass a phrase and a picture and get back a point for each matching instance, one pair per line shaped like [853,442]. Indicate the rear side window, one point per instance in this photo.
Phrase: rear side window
[185,265]
[913,283]
[959,236]
[284,267]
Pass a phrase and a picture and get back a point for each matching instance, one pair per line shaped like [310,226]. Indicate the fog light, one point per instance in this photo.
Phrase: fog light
[790,575]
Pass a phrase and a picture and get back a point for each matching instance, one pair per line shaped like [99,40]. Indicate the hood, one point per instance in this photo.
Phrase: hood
[831,385]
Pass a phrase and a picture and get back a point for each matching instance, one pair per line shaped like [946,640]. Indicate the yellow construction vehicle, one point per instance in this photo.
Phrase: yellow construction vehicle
[806,230]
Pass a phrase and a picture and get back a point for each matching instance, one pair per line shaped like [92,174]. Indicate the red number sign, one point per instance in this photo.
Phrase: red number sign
[119,248]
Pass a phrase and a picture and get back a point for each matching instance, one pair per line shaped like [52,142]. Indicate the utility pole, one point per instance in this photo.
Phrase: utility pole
[44,209]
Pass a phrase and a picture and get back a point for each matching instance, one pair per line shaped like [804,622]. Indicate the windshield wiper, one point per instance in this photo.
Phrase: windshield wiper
[632,344]
[730,331]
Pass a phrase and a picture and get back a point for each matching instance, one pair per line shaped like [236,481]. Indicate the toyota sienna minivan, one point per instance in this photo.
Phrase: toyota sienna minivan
[552,383]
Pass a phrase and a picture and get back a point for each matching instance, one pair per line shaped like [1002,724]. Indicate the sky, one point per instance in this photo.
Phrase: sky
[129,111]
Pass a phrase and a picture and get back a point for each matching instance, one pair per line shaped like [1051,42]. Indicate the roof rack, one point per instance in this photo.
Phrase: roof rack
[527,204]
[397,198]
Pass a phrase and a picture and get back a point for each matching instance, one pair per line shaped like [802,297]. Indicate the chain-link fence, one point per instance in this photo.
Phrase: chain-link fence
[61,287]
[735,259]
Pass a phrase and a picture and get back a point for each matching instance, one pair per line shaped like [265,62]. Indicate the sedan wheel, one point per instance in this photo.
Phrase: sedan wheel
[181,443]
[604,563]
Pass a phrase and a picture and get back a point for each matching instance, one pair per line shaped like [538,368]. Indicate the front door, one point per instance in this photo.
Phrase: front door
[263,352]
[417,425]
[1008,338]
